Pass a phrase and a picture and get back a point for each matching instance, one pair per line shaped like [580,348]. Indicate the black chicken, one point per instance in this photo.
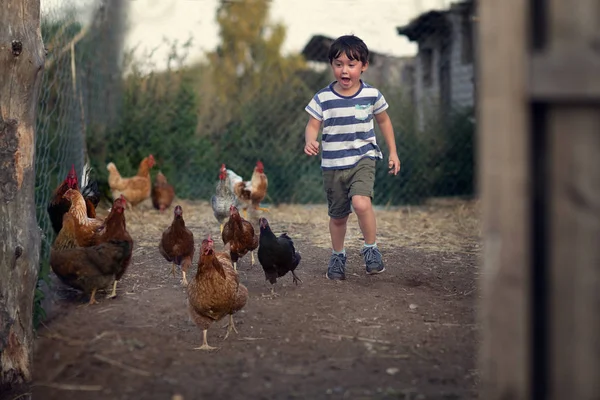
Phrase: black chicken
[277,255]
[58,205]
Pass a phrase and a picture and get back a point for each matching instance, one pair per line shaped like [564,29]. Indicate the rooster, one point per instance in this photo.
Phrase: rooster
[135,189]
[58,205]
[162,193]
[223,197]
[277,255]
[215,291]
[239,234]
[177,244]
[78,229]
[252,192]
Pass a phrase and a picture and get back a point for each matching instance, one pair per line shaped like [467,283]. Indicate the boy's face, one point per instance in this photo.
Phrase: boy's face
[347,73]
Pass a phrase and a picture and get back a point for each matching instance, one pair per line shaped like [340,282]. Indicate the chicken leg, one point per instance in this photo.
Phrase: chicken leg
[230,327]
[184,281]
[93,297]
[205,345]
[114,291]
[272,295]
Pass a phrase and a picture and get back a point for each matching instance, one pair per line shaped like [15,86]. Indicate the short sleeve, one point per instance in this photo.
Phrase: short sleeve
[314,109]
[380,104]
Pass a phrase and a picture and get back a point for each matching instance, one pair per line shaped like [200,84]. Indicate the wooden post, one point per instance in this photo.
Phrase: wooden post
[565,79]
[504,182]
[21,65]
[539,147]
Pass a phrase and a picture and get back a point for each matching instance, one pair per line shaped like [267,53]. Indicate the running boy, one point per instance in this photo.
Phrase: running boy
[346,109]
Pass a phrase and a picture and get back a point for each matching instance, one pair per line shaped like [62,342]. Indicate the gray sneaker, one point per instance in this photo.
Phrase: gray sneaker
[337,267]
[373,261]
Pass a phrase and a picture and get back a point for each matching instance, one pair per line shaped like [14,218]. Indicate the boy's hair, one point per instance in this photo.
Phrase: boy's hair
[352,46]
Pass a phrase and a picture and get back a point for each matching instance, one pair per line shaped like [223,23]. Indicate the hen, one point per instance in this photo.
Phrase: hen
[115,229]
[277,255]
[223,197]
[89,268]
[135,189]
[239,233]
[162,193]
[252,192]
[78,230]
[58,205]
[177,244]
[215,291]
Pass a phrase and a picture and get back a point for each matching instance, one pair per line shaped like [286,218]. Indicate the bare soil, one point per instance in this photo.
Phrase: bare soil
[409,333]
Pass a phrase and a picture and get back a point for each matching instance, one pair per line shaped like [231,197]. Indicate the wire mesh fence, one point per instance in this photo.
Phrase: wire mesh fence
[245,102]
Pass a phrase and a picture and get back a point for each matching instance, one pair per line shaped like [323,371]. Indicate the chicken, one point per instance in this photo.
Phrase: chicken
[58,205]
[250,193]
[162,193]
[135,189]
[215,291]
[115,229]
[78,230]
[239,234]
[277,255]
[89,268]
[177,244]
[223,197]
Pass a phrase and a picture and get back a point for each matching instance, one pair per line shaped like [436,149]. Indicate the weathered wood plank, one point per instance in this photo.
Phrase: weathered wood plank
[504,190]
[575,253]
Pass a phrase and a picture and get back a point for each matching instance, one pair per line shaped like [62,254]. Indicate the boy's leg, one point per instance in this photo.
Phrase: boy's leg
[336,269]
[366,217]
[361,191]
[335,186]
[337,230]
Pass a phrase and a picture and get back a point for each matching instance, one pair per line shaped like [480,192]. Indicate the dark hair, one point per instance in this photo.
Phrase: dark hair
[352,46]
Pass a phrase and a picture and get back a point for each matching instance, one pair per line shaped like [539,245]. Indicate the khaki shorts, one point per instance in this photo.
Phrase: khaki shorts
[341,184]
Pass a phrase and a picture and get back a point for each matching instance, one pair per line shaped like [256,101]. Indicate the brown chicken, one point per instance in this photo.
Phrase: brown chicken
[135,189]
[177,244]
[115,229]
[239,233]
[78,230]
[58,205]
[90,268]
[162,193]
[215,291]
[250,193]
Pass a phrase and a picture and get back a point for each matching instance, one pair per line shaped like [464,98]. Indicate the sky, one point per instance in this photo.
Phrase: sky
[375,21]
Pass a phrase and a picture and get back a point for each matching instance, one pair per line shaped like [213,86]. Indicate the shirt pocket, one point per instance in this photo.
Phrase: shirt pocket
[362,111]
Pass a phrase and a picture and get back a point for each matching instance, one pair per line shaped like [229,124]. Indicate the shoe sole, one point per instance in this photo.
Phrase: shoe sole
[375,272]
[334,279]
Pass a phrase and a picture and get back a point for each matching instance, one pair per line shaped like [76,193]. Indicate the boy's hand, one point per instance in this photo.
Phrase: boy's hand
[312,148]
[394,164]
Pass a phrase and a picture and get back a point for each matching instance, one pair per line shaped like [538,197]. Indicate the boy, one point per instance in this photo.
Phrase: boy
[346,109]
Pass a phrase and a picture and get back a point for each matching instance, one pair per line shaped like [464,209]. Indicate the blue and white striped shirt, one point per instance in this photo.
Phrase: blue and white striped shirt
[348,130]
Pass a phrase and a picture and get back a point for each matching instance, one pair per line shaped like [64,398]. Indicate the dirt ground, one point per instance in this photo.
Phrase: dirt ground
[409,333]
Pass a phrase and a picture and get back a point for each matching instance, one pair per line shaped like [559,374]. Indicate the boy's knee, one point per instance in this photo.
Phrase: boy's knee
[361,204]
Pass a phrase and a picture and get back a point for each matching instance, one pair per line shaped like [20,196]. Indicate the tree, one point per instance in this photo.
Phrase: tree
[246,64]
[21,65]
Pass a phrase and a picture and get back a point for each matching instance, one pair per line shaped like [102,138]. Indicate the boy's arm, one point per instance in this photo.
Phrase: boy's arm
[385,124]
[311,133]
